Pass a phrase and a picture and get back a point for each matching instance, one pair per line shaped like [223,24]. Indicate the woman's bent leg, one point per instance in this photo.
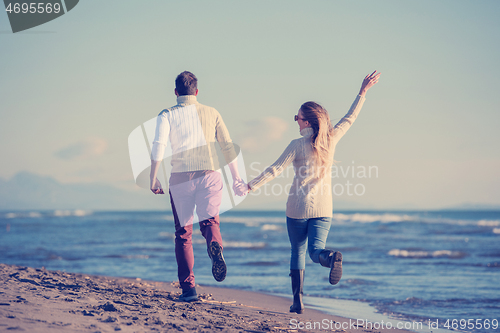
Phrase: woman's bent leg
[317,232]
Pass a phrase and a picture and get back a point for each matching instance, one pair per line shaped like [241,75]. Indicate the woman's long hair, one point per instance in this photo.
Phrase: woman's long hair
[322,127]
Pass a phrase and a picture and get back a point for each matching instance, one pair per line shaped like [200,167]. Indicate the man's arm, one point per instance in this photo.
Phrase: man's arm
[239,186]
[154,182]
[157,151]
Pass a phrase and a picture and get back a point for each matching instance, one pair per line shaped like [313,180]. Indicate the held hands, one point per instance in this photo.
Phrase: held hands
[156,187]
[368,82]
[240,188]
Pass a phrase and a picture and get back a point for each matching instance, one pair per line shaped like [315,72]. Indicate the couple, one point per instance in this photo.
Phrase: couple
[193,128]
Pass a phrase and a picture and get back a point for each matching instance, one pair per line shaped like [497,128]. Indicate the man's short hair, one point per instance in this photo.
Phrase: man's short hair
[186,83]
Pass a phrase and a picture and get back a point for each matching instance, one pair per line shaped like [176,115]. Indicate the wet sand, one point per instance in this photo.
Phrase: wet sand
[38,300]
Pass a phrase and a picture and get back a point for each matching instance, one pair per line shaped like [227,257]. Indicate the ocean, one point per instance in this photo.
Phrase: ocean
[407,265]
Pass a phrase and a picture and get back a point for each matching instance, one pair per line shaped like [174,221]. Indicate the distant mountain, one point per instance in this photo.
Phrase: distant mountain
[27,191]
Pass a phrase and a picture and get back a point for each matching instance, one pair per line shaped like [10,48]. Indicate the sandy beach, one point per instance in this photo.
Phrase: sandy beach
[39,300]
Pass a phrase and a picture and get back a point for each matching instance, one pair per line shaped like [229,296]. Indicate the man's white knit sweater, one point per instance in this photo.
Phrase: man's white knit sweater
[309,196]
[192,129]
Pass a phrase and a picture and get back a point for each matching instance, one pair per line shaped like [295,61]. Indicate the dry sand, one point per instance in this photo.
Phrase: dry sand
[38,300]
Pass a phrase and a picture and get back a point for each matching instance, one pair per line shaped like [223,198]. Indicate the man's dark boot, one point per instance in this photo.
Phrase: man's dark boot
[333,260]
[219,268]
[297,276]
[188,295]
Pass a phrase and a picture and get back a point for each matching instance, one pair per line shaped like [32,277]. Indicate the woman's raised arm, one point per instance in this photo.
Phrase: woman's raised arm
[369,81]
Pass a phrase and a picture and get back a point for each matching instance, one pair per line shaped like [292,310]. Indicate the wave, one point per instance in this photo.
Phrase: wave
[133,256]
[426,254]
[254,221]
[448,303]
[394,217]
[273,227]
[58,213]
[250,245]
[488,223]
[22,215]
[496,230]
[76,212]
[370,218]
[410,300]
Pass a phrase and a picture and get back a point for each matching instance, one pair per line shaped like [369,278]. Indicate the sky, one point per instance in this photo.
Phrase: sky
[73,89]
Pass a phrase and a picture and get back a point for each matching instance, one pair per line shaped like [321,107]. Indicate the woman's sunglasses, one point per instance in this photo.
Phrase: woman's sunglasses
[297,118]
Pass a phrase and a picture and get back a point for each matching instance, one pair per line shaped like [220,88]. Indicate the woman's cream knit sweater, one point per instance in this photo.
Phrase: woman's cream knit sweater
[309,196]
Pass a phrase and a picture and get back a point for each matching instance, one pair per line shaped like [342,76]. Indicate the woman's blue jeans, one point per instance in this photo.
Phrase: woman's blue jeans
[307,234]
